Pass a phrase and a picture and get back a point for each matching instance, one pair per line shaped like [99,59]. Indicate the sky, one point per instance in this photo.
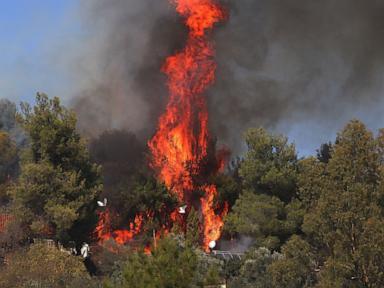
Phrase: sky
[33,32]
[38,38]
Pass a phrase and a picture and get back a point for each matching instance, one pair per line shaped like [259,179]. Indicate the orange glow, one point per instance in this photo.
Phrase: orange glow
[103,229]
[180,144]
[213,223]
[147,250]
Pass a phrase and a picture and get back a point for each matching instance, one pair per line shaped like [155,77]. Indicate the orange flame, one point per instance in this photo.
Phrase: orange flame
[103,229]
[181,141]
[180,144]
[213,223]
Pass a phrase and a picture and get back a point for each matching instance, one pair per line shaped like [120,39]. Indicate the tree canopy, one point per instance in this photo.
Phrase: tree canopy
[58,184]
[315,221]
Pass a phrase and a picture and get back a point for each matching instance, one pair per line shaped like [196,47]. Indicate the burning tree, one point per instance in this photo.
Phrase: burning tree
[180,146]
[181,149]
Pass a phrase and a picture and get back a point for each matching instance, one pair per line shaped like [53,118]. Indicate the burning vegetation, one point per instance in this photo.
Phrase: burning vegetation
[180,147]
[132,210]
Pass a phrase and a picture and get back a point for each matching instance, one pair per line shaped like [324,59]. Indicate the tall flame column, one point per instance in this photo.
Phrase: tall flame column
[181,141]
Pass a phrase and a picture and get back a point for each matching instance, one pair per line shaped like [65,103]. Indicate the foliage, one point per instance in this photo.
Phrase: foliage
[12,236]
[169,266]
[324,154]
[8,157]
[346,223]
[228,187]
[253,271]
[45,267]
[266,208]
[296,268]
[312,173]
[315,222]
[192,234]
[260,216]
[58,184]
[8,164]
[8,123]
[270,165]
[52,195]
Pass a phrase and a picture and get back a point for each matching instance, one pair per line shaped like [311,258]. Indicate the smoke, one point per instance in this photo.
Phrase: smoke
[240,245]
[126,46]
[297,66]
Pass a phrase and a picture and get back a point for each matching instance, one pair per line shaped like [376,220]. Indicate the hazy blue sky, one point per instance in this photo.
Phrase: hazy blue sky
[32,33]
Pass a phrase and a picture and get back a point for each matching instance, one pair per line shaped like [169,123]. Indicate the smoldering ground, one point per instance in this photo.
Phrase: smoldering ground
[281,64]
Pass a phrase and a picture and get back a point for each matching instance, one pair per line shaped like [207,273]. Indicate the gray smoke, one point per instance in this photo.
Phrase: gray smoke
[309,64]
[126,46]
[296,64]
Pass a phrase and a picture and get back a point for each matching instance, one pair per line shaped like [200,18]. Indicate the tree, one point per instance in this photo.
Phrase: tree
[253,271]
[8,164]
[169,266]
[324,154]
[266,208]
[7,115]
[312,174]
[192,231]
[12,235]
[46,267]
[142,194]
[8,157]
[296,268]
[58,184]
[346,222]
[8,123]
[270,165]
[259,216]
[228,187]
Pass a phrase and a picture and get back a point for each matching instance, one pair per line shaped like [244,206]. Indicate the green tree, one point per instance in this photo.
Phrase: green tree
[259,216]
[270,165]
[267,209]
[8,164]
[170,265]
[312,174]
[346,224]
[253,271]
[296,268]
[8,157]
[45,267]
[58,184]
[192,234]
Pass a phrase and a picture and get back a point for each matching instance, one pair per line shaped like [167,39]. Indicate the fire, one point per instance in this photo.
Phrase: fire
[180,146]
[103,229]
[181,143]
[213,222]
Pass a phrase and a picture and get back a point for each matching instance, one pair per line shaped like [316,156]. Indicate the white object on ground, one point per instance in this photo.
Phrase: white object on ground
[182,209]
[102,204]
[85,250]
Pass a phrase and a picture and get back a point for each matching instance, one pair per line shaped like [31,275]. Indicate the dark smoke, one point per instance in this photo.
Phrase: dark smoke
[282,64]
[128,44]
[288,62]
